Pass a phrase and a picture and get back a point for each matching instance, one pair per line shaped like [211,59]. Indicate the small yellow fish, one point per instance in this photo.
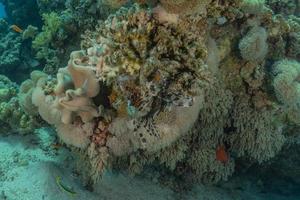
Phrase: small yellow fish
[16,28]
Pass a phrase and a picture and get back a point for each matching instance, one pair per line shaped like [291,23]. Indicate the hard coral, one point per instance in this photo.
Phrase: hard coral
[12,116]
[258,135]
[52,24]
[185,6]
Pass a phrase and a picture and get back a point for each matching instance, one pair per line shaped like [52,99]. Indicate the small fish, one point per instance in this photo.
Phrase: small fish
[157,77]
[221,154]
[16,28]
[113,97]
[131,110]
[56,145]
[63,187]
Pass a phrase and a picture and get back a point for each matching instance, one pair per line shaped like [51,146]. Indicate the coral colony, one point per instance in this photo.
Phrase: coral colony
[189,86]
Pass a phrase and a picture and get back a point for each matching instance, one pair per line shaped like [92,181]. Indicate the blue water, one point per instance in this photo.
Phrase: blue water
[2,11]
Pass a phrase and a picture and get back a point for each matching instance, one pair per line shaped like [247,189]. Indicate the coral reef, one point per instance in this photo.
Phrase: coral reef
[293,39]
[15,54]
[254,45]
[22,12]
[134,82]
[10,51]
[253,6]
[185,6]
[29,32]
[64,22]
[192,87]
[42,41]
[12,116]
[285,7]
[257,136]
[52,24]
[286,87]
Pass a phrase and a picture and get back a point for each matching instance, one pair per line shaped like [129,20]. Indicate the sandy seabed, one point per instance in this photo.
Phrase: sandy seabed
[29,166]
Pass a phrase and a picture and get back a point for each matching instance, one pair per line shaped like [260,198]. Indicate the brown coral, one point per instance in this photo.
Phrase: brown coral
[185,6]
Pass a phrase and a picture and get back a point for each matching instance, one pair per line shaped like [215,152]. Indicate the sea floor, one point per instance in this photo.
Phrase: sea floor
[30,166]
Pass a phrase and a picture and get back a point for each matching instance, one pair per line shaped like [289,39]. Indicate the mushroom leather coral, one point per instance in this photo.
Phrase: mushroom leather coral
[75,103]
[71,99]
[83,75]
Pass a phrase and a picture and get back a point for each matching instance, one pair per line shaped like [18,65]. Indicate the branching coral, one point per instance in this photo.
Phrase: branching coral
[42,40]
[15,54]
[208,134]
[12,116]
[257,133]
[10,49]
[15,118]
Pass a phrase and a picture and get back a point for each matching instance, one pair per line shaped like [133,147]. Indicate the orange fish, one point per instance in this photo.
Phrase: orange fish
[113,97]
[56,146]
[221,154]
[16,28]
[122,110]
[157,77]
